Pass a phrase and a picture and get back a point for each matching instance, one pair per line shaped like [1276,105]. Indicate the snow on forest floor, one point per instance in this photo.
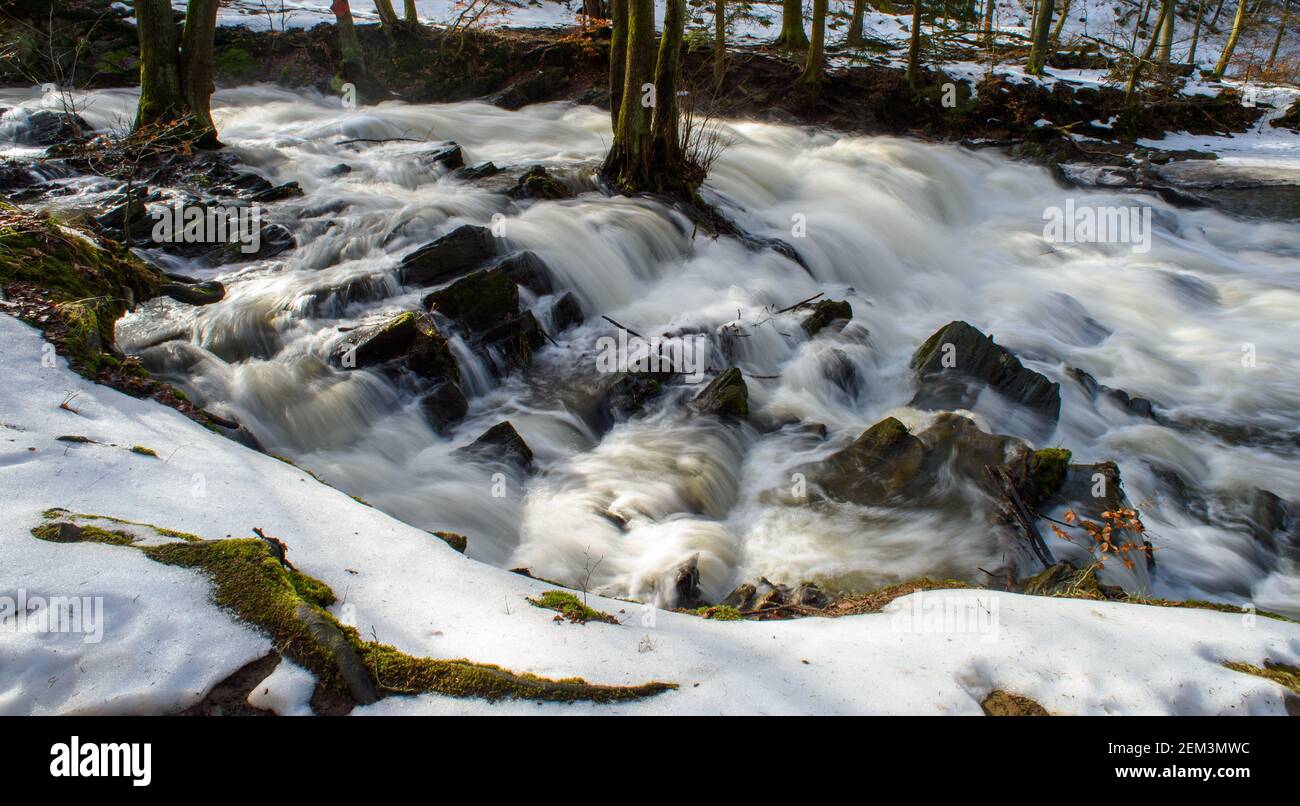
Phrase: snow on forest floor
[163,643]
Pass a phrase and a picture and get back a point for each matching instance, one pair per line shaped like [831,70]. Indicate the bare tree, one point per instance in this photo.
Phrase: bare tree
[792,35]
[1231,45]
[1281,28]
[1042,35]
[176,73]
[814,71]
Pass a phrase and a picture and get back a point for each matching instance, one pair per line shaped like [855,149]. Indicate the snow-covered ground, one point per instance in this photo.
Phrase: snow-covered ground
[163,643]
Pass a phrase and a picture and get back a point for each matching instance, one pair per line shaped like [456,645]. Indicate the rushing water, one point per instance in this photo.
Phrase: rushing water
[913,235]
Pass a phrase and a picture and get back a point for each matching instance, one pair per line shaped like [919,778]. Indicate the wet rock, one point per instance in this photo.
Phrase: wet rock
[767,595]
[444,406]
[883,463]
[534,86]
[483,300]
[16,176]
[630,394]
[288,190]
[454,254]
[46,128]
[567,312]
[480,171]
[840,371]
[342,169]
[537,183]
[527,270]
[410,339]
[204,293]
[449,156]
[726,396]
[511,344]
[741,598]
[958,361]
[501,443]
[686,583]
[827,313]
[1137,406]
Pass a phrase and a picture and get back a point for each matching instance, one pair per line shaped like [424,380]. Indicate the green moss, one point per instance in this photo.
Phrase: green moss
[66,532]
[479,301]
[234,64]
[1281,673]
[143,451]
[250,582]
[1047,470]
[718,613]
[571,607]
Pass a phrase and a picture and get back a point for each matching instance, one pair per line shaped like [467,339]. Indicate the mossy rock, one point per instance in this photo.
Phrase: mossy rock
[482,300]
[409,339]
[1047,469]
[726,396]
[827,313]
[234,65]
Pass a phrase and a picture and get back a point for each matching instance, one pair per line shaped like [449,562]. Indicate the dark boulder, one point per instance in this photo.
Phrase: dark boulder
[726,396]
[630,394]
[1137,406]
[448,156]
[567,312]
[827,313]
[444,406]
[46,128]
[483,300]
[527,270]
[958,361]
[480,171]
[458,252]
[501,443]
[411,340]
[541,84]
[686,584]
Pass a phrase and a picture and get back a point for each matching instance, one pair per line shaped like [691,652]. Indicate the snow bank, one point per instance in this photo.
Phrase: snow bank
[164,643]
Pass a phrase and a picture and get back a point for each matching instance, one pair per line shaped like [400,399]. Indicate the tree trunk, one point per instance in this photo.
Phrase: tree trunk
[666,151]
[1060,24]
[1041,44]
[593,9]
[628,161]
[387,16]
[855,39]
[914,47]
[412,16]
[719,43]
[160,75]
[1196,35]
[617,57]
[814,71]
[196,68]
[1166,9]
[352,63]
[1165,51]
[1281,27]
[990,8]
[1217,11]
[1226,56]
[792,34]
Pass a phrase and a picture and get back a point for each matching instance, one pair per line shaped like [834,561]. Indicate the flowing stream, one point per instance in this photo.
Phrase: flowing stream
[913,235]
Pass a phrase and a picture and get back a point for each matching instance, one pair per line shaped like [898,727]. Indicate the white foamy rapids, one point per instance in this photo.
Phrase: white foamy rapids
[913,235]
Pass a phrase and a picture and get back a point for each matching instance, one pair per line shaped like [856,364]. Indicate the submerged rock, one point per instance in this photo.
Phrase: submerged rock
[1137,406]
[958,361]
[537,183]
[726,396]
[527,270]
[458,252]
[444,406]
[567,312]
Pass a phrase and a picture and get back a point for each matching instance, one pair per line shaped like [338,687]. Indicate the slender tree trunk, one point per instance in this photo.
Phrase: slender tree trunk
[667,151]
[1196,35]
[1217,10]
[196,68]
[1165,50]
[412,16]
[792,34]
[914,46]
[1166,8]
[855,39]
[1042,31]
[990,7]
[719,43]
[593,9]
[617,58]
[352,63]
[387,16]
[628,161]
[1281,28]
[160,75]
[1137,26]
[1060,24]
[1226,56]
[814,71]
